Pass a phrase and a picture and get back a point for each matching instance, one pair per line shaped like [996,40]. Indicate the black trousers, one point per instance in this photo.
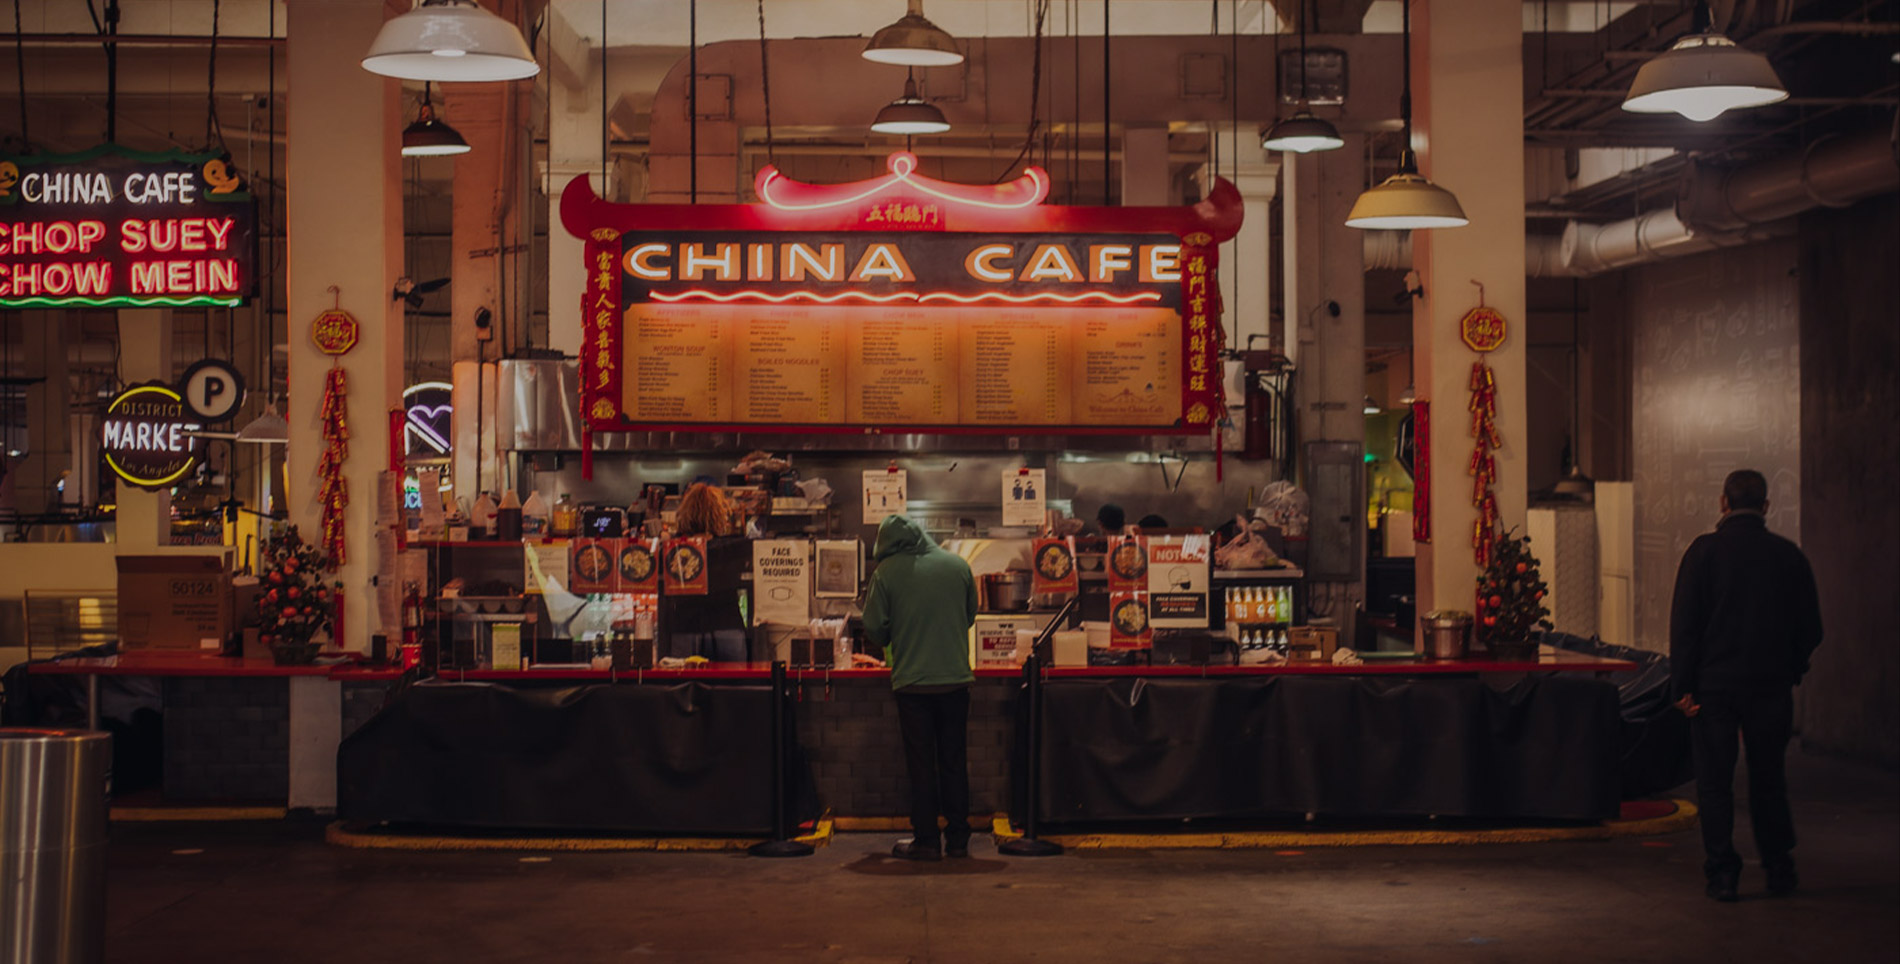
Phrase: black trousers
[1765,721]
[936,752]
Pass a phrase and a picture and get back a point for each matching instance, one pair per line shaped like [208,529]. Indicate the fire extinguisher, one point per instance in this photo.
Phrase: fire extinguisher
[1258,441]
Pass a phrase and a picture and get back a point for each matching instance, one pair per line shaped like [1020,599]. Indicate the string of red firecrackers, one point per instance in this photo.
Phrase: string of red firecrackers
[1421,471]
[1484,467]
[334,491]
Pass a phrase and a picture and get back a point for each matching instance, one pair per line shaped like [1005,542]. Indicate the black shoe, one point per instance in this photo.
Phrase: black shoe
[1722,888]
[1782,880]
[910,850]
[956,849]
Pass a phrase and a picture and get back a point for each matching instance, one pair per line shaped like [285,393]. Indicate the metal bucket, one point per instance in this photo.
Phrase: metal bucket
[53,844]
[1445,634]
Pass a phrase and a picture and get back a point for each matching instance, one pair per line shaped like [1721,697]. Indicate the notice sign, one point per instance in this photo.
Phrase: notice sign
[885,493]
[145,436]
[1025,496]
[781,581]
[112,227]
[1178,581]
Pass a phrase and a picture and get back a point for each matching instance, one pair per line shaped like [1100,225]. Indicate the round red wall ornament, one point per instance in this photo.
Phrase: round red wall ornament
[334,332]
[1482,329]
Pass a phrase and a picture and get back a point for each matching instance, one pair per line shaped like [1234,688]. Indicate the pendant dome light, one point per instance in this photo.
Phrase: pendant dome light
[429,137]
[913,41]
[910,114]
[1406,201]
[1302,133]
[450,40]
[1704,75]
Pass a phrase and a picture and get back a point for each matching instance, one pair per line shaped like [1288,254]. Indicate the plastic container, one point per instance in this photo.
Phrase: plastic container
[534,516]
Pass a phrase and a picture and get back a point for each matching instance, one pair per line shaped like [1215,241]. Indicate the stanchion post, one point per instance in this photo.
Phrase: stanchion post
[781,844]
[1029,845]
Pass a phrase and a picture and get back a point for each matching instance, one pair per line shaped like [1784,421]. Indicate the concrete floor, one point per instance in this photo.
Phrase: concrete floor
[275,892]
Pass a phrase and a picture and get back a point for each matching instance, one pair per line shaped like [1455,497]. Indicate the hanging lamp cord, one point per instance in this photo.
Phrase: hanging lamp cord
[765,89]
[19,61]
[214,132]
[1035,93]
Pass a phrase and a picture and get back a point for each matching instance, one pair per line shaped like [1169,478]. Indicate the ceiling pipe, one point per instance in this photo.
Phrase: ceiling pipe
[1716,208]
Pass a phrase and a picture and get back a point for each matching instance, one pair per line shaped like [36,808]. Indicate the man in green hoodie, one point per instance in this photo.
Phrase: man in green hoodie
[919,607]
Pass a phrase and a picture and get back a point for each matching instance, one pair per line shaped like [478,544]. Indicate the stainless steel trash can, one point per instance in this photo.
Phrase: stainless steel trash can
[53,845]
[1446,634]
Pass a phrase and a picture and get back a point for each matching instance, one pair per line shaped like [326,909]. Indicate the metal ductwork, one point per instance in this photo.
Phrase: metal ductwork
[1716,208]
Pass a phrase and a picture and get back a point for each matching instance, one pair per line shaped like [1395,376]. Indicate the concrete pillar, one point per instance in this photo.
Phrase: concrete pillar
[482,227]
[574,149]
[43,343]
[1246,265]
[1467,97]
[345,229]
[143,520]
[1324,333]
[1324,266]
[1145,179]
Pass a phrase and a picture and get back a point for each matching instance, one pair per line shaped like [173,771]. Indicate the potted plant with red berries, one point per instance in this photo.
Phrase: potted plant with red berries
[1511,600]
[294,606]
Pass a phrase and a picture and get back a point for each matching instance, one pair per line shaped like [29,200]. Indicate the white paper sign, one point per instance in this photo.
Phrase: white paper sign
[1025,496]
[781,581]
[1178,581]
[545,566]
[885,493]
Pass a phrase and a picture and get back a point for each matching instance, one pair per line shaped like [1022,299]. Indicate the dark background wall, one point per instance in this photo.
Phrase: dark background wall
[1850,474]
[1715,386]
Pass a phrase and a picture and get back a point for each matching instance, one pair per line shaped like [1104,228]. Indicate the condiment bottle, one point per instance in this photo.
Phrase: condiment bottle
[566,520]
[508,517]
[534,516]
[481,516]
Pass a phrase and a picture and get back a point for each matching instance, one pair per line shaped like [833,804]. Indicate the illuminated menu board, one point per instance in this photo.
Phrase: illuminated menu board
[833,366]
[113,227]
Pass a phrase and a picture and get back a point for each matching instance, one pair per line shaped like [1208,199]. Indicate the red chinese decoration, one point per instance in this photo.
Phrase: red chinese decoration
[334,332]
[1422,471]
[1482,329]
[1484,467]
[1201,336]
[333,490]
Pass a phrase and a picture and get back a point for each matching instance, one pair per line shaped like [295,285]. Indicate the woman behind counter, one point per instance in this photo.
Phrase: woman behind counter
[710,625]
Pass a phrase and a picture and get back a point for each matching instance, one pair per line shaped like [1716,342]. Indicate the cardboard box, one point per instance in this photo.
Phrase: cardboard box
[1311,643]
[174,602]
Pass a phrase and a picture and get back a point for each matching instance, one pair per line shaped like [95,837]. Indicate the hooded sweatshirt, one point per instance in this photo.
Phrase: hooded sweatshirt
[920,606]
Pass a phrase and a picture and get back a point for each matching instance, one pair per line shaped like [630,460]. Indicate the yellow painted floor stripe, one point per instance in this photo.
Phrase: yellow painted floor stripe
[1683,818]
[157,814]
[336,834]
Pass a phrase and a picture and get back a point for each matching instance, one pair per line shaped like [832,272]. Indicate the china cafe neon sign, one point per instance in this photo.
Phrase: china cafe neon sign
[901,239]
[112,227]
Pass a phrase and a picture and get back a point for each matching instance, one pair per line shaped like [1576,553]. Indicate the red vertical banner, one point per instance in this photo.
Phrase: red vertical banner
[1201,335]
[1422,471]
[600,357]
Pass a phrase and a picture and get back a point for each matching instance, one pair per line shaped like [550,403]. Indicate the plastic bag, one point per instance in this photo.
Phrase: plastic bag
[1285,507]
[1248,550]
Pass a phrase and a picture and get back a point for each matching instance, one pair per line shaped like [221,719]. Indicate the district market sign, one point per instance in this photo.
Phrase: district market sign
[146,436]
[112,227]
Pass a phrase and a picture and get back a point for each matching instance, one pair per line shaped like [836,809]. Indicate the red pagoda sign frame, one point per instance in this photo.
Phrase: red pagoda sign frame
[923,242]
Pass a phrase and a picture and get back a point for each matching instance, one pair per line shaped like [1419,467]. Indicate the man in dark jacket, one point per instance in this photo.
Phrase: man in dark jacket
[1745,620]
[919,607]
